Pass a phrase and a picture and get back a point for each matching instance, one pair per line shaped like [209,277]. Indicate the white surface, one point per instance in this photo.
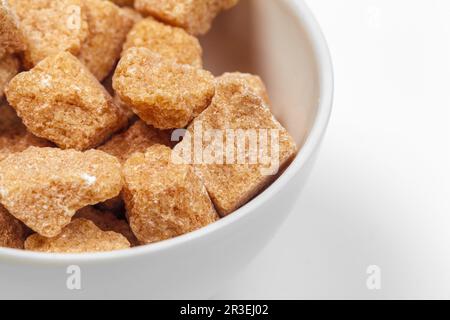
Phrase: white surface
[380,192]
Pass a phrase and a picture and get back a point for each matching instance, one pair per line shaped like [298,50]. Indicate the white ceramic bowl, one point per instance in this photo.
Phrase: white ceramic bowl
[278,39]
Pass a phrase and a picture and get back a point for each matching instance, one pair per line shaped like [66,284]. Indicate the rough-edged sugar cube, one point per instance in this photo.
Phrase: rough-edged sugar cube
[107,221]
[9,67]
[236,145]
[164,200]
[163,93]
[253,82]
[50,26]
[80,236]
[11,38]
[60,100]
[138,138]
[14,136]
[44,187]
[12,231]
[170,42]
[108,29]
[131,14]
[195,16]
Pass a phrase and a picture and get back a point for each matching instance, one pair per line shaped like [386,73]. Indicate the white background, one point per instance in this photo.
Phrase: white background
[380,193]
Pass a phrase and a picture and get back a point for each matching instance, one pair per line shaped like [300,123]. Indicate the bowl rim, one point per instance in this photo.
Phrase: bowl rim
[326,80]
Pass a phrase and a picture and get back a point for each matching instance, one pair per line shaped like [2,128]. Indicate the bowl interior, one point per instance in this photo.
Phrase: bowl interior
[266,38]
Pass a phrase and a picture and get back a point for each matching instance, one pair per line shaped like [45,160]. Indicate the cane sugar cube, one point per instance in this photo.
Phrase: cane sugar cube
[108,29]
[9,67]
[61,101]
[107,221]
[164,94]
[252,82]
[131,15]
[163,199]
[138,138]
[11,38]
[18,141]
[169,42]
[44,187]
[12,231]
[195,16]
[127,112]
[80,236]
[50,27]
[243,146]
[14,136]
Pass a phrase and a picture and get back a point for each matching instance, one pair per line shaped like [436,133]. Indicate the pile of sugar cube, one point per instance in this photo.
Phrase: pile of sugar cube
[103,107]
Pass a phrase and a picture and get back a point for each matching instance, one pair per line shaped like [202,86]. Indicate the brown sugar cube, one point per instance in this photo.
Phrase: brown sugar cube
[107,221]
[131,14]
[195,16]
[123,2]
[138,138]
[169,42]
[50,27]
[253,82]
[9,67]
[44,187]
[108,29]
[80,236]
[164,200]
[249,146]
[12,231]
[19,141]
[61,101]
[14,136]
[11,38]
[164,94]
